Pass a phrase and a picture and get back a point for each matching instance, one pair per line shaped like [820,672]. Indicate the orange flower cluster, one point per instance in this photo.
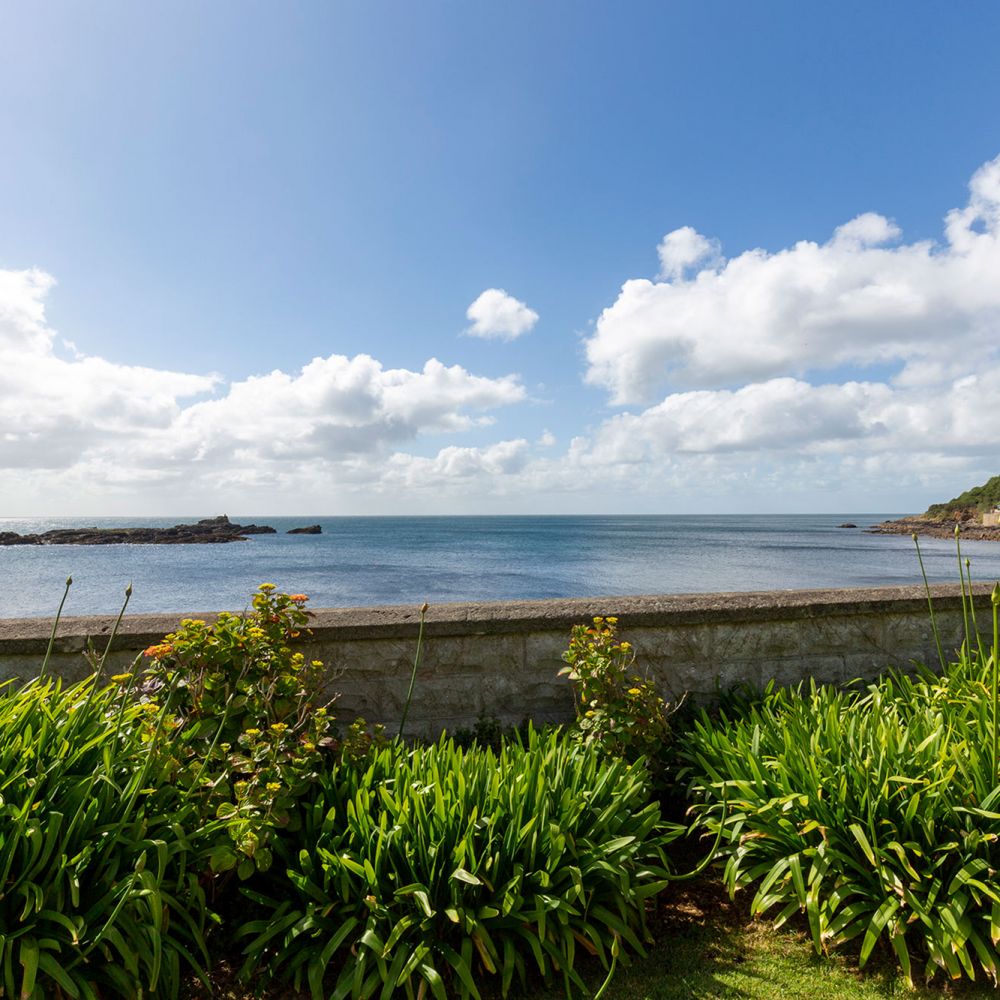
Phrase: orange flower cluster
[159,651]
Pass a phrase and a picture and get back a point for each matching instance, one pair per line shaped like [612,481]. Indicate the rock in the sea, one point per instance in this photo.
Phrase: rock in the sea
[310,529]
[222,523]
[847,524]
[211,530]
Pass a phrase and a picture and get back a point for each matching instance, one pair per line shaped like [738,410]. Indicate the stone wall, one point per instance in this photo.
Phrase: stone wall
[502,658]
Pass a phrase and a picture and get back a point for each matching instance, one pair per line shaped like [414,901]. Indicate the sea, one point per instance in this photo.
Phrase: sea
[360,561]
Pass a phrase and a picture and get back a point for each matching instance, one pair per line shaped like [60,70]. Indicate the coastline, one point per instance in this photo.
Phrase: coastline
[928,528]
[377,561]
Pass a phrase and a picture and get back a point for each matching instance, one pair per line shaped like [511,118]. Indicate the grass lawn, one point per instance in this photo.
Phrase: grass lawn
[707,946]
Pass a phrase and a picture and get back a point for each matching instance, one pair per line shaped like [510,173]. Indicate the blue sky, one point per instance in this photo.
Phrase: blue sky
[198,195]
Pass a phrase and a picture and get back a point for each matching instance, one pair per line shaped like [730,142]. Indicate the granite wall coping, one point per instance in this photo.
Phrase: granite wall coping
[25,636]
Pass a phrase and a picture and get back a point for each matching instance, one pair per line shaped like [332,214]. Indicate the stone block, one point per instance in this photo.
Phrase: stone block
[790,672]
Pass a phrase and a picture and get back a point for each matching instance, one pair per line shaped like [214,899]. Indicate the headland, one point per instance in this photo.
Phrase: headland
[975,513]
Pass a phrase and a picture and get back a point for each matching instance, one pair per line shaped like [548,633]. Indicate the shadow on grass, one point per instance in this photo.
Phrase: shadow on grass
[707,946]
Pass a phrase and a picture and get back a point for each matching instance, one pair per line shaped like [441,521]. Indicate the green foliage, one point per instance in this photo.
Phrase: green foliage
[359,744]
[96,894]
[427,870]
[617,708]
[249,730]
[874,812]
[980,497]
[490,733]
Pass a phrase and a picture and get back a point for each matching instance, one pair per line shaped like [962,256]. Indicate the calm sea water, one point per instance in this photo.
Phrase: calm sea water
[399,560]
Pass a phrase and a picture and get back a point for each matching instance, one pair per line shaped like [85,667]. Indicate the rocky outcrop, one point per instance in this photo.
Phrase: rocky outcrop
[969,523]
[847,524]
[310,529]
[211,530]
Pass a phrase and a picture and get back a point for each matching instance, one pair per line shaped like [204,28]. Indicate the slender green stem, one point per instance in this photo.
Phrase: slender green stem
[615,949]
[710,857]
[99,668]
[55,625]
[413,672]
[125,695]
[930,603]
[219,730]
[153,754]
[965,596]
[972,612]
[114,631]
[995,598]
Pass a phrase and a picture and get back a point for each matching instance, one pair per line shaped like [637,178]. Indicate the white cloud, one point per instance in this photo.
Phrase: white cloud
[746,381]
[22,310]
[682,249]
[497,315]
[86,426]
[340,406]
[866,230]
[788,415]
[53,411]
[455,467]
[858,299]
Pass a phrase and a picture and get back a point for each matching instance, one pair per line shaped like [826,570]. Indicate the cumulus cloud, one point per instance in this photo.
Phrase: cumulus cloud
[496,315]
[87,423]
[453,465]
[792,416]
[682,249]
[52,410]
[861,365]
[861,298]
[338,406]
[22,311]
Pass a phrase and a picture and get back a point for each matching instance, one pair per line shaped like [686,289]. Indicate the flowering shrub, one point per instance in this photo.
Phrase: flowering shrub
[249,726]
[617,706]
